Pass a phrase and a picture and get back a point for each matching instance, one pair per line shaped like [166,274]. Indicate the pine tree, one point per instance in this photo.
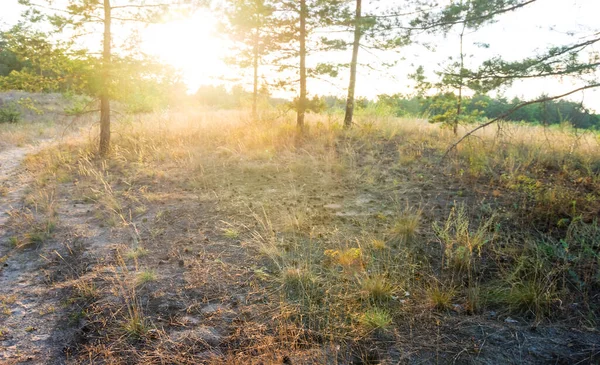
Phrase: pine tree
[84,16]
[466,15]
[369,30]
[573,61]
[253,26]
[353,65]
[30,61]
[301,19]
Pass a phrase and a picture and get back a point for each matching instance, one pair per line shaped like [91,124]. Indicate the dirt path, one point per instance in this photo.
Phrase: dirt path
[37,322]
[11,186]
[30,310]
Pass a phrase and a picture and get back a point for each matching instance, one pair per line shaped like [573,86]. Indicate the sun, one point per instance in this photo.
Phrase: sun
[191,45]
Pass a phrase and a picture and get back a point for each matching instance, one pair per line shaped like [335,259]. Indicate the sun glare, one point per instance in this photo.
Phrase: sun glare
[192,45]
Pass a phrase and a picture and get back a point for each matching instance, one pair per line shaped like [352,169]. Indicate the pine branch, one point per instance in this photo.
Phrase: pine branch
[511,71]
[397,15]
[567,71]
[130,20]
[139,6]
[468,19]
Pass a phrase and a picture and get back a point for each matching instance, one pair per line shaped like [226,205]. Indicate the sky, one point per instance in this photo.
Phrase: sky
[194,46]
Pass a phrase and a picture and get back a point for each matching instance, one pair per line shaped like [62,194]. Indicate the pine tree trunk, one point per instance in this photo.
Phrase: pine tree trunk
[104,93]
[255,91]
[460,86]
[302,101]
[353,66]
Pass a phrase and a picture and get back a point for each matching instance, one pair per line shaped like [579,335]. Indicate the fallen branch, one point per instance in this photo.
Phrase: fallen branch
[504,115]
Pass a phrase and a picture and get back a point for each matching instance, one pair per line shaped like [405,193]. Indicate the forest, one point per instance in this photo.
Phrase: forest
[480,107]
[299,182]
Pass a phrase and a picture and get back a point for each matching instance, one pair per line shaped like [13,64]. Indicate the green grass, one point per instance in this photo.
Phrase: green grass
[13,241]
[231,233]
[136,253]
[145,277]
[136,325]
[86,290]
[462,243]
[375,318]
[300,284]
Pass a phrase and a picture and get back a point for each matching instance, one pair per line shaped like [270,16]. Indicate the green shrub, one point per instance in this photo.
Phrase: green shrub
[9,114]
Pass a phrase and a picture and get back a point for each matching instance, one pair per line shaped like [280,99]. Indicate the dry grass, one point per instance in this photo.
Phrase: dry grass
[312,226]
[41,118]
[20,135]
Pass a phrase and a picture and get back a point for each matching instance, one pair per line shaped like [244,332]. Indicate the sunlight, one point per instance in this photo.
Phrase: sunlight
[300,181]
[192,45]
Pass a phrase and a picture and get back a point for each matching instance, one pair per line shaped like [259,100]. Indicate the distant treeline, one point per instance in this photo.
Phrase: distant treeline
[485,107]
[479,107]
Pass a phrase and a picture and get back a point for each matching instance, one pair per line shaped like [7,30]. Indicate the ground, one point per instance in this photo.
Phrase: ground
[205,238]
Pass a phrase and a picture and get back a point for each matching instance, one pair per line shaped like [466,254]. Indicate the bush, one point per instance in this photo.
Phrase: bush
[9,114]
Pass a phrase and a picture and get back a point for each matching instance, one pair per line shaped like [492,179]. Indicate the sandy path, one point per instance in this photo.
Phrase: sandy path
[11,181]
[30,310]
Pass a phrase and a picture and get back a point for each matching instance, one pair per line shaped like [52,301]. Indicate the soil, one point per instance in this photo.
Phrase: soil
[206,304]
[29,306]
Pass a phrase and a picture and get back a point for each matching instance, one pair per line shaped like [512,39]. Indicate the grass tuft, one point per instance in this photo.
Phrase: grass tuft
[440,298]
[462,243]
[300,283]
[136,253]
[231,233]
[406,226]
[375,318]
[145,277]
[377,288]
